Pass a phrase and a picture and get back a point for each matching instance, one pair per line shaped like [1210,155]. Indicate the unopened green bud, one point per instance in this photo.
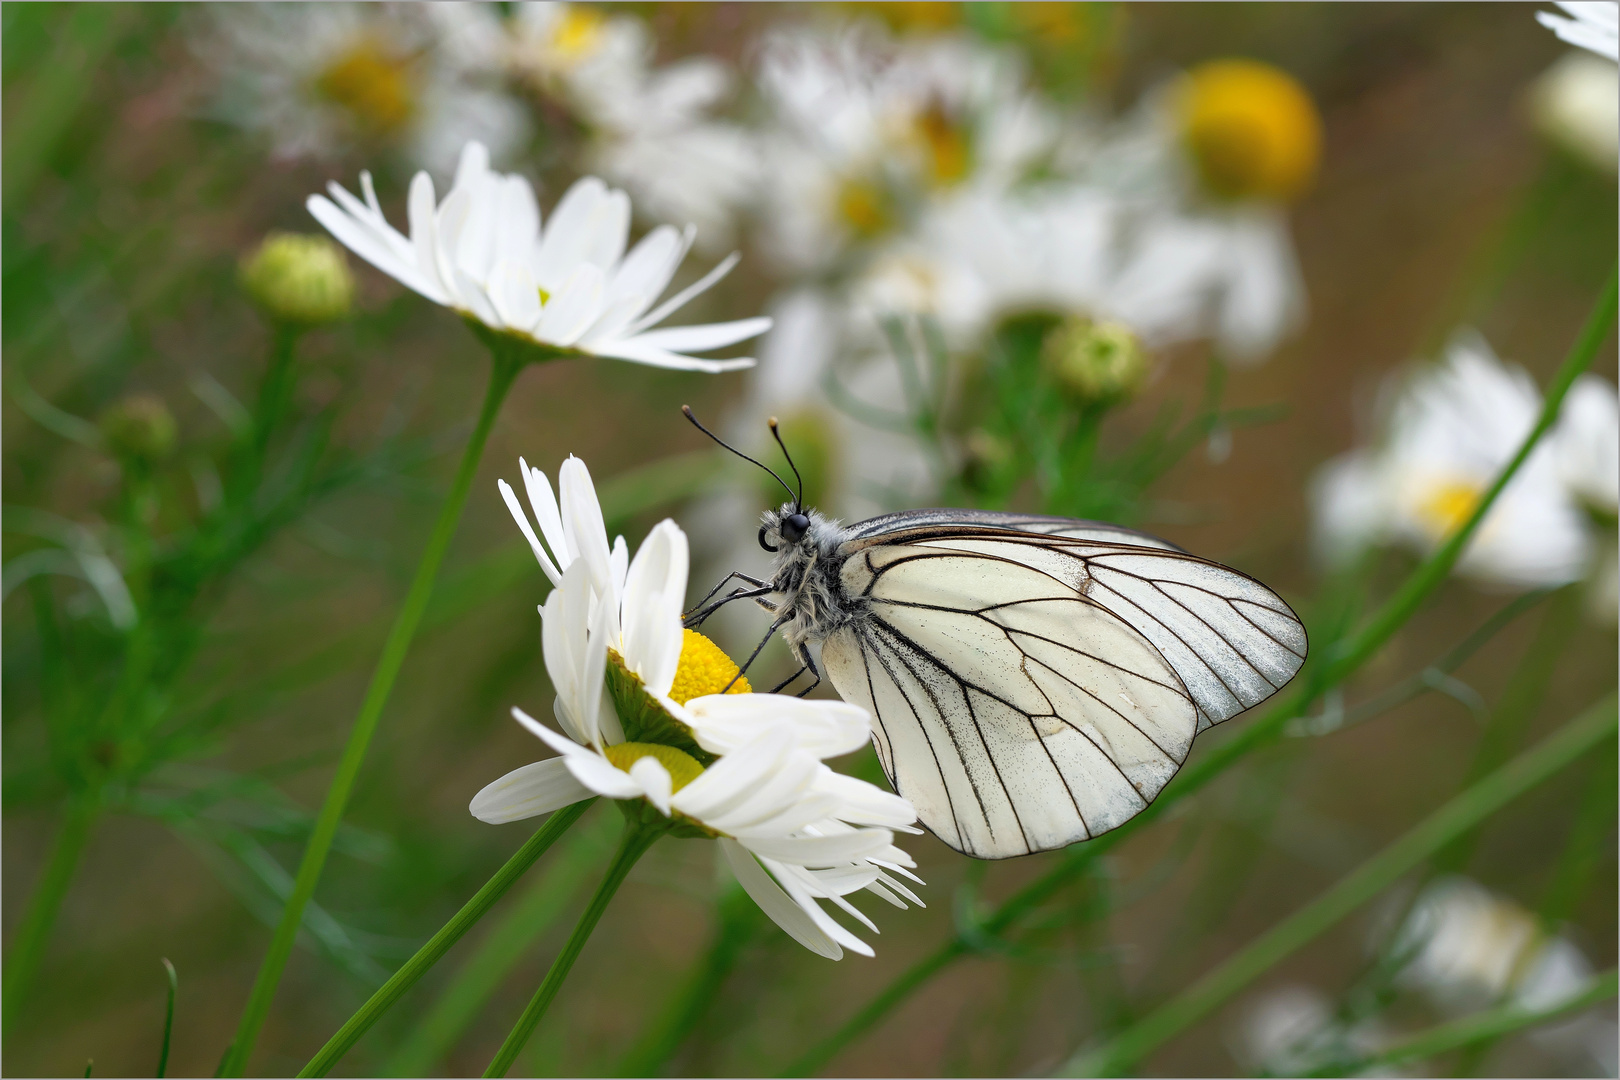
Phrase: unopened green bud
[140,426]
[1095,361]
[984,456]
[299,279]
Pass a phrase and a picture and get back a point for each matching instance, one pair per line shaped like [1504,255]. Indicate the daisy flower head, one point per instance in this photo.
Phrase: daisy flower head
[564,287]
[1450,430]
[658,718]
[322,78]
[1593,25]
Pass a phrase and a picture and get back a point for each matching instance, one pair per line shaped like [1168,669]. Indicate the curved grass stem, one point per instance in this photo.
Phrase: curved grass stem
[503,372]
[1452,820]
[28,947]
[635,842]
[440,943]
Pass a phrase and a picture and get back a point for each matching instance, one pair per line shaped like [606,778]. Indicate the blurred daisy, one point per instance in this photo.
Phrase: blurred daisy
[1471,948]
[701,757]
[1576,104]
[1205,171]
[568,286]
[1292,1031]
[320,79]
[1593,25]
[1450,431]
[867,130]
[648,129]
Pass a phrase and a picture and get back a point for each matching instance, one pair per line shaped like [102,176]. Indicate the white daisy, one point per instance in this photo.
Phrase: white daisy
[1587,444]
[569,286]
[868,130]
[1472,948]
[321,78]
[648,129]
[1593,25]
[1450,431]
[1292,1031]
[746,769]
[1576,104]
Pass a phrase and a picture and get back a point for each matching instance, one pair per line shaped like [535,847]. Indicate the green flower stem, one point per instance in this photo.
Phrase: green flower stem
[635,842]
[504,371]
[505,944]
[1315,680]
[28,946]
[1373,876]
[1485,1026]
[1435,569]
[1526,690]
[441,942]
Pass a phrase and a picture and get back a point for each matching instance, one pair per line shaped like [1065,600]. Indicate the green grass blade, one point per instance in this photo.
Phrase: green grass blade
[1459,815]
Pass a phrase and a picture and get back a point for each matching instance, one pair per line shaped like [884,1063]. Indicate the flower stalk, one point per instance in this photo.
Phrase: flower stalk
[638,837]
[441,942]
[29,945]
[505,366]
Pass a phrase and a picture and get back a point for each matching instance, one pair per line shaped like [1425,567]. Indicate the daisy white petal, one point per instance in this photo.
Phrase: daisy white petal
[781,908]
[528,792]
[655,782]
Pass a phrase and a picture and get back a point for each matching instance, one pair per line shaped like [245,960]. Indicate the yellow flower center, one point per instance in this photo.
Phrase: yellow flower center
[1447,506]
[681,766]
[865,206]
[1252,129]
[944,143]
[373,83]
[704,669]
[577,33]
[919,15]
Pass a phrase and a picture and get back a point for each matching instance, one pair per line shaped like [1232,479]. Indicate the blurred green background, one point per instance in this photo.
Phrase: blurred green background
[126,210]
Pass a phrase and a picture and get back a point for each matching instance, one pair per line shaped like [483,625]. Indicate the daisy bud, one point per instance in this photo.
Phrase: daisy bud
[140,427]
[299,279]
[1095,361]
[1252,129]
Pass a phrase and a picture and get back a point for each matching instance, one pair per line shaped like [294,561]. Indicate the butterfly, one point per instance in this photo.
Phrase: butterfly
[1033,681]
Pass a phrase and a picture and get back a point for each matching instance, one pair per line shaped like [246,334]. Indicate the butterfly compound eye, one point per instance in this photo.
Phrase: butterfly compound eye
[762,542]
[793,527]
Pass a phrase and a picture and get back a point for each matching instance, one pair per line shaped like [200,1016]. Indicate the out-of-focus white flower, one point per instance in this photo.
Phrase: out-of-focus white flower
[744,768]
[1450,431]
[651,130]
[869,130]
[1593,25]
[1587,443]
[1471,948]
[1576,104]
[570,285]
[1292,1031]
[321,78]
[1228,273]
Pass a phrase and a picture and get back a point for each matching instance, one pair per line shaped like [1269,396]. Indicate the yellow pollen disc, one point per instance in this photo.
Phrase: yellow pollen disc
[945,143]
[864,206]
[1448,506]
[371,82]
[578,33]
[681,766]
[704,669]
[1251,128]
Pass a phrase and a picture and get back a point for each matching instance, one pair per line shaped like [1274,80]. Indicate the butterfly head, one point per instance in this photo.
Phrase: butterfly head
[788,524]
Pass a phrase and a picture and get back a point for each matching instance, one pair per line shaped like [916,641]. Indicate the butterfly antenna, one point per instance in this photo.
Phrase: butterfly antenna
[687,409]
[798,500]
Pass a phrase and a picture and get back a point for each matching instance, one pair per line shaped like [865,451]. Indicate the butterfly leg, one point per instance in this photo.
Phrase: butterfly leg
[810,664]
[785,683]
[724,582]
[775,626]
[697,616]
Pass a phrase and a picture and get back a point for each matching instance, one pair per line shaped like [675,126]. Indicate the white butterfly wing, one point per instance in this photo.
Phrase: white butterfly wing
[1016,715]
[1037,681]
